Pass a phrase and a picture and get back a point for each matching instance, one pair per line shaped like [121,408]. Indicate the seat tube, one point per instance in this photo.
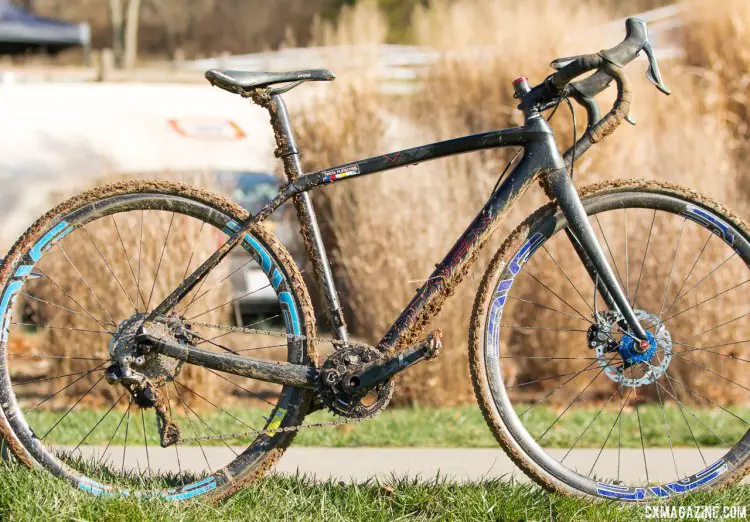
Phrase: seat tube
[286,149]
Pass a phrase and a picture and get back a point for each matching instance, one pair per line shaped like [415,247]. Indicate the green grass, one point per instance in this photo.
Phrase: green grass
[427,427]
[33,495]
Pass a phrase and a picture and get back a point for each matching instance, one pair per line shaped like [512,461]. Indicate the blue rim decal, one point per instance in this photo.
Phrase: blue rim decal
[620,492]
[710,221]
[706,476]
[492,336]
[6,305]
[61,230]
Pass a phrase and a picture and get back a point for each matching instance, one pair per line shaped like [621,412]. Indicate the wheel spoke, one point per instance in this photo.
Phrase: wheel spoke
[666,429]
[114,433]
[43,379]
[85,283]
[207,425]
[59,306]
[106,263]
[611,255]
[643,262]
[601,370]
[684,408]
[89,372]
[222,410]
[75,405]
[706,300]
[145,443]
[640,431]
[706,350]
[50,327]
[192,426]
[719,326]
[578,439]
[230,302]
[526,271]
[684,282]
[559,268]
[254,394]
[88,434]
[704,278]
[611,429]
[127,428]
[687,359]
[48,278]
[688,388]
[574,316]
[671,268]
[158,265]
[130,265]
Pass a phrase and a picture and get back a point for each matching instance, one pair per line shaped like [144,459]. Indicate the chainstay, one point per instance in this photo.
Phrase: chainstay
[273,431]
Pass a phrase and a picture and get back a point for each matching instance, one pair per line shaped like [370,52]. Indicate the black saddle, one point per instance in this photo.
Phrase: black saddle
[242,82]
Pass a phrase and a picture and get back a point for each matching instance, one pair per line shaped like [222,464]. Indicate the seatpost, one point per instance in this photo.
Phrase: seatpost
[286,149]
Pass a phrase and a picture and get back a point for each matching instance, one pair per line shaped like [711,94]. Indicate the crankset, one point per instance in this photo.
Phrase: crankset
[357,381]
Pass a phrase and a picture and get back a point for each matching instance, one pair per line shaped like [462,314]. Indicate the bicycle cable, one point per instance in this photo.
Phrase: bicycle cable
[575,135]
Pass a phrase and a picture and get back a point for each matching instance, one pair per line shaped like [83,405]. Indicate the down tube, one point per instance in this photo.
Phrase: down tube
[430,297]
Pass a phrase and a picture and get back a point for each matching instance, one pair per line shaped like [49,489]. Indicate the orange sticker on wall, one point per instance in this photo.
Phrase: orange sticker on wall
[209,129]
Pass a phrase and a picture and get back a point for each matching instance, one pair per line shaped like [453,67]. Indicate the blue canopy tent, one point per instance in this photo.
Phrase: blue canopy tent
[22,32]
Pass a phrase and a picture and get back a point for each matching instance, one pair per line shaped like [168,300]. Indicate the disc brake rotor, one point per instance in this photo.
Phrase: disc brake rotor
[645,366]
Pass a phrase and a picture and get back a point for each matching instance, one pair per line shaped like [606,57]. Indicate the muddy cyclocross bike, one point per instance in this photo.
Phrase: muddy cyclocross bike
[607,339]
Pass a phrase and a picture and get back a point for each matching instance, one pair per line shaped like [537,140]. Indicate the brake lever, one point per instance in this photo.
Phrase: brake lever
[559,63]
[653,73]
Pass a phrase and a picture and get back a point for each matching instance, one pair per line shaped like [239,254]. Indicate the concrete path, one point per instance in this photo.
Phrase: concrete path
[460,464]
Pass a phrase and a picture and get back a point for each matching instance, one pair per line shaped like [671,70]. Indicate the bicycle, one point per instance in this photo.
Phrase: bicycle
[140,361]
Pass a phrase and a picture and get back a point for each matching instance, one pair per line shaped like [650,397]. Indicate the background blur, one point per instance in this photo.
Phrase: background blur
[119,92]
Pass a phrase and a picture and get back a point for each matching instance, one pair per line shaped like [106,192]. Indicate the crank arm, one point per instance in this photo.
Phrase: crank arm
[286,374]
[380,371]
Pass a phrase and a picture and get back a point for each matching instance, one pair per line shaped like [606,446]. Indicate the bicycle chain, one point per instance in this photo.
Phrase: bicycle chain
[273,431]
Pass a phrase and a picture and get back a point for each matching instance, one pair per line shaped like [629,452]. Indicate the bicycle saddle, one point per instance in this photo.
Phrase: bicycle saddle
[244,81]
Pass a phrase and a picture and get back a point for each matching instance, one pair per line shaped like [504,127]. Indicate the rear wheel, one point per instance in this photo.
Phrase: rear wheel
[75,289]
[559,382]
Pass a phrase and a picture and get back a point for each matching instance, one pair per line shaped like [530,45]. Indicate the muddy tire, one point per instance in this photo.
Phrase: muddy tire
[108,206]
[508,366]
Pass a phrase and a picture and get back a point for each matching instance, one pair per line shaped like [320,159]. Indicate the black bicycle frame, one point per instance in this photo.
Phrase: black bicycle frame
[541,159]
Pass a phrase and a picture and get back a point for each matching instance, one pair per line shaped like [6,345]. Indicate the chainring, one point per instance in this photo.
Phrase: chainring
[337,368]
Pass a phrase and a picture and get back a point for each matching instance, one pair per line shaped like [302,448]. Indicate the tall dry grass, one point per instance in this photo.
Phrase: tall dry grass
[385,232]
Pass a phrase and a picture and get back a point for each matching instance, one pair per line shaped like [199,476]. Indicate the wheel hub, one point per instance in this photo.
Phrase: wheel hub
[640,362]
[131,362]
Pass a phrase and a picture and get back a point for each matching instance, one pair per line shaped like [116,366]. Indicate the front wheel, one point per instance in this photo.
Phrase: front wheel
[560,385]
[75,290]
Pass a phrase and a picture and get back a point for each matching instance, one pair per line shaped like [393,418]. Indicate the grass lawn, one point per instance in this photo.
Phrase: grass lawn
[32,495]
[428,427]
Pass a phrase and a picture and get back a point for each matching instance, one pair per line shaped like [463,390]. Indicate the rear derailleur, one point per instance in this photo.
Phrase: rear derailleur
[145,374]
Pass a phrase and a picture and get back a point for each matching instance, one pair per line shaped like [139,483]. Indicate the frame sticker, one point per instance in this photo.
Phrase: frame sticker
[341,172]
